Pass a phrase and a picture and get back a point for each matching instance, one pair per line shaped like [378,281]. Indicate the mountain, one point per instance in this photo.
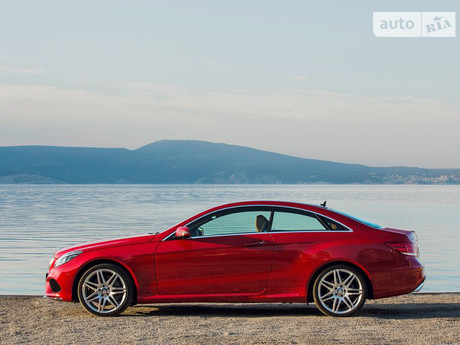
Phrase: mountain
[190,161]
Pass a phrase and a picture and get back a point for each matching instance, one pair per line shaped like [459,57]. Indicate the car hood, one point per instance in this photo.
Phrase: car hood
[106,244]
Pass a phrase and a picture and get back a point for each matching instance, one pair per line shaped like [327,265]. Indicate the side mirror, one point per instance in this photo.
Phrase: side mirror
[182,232]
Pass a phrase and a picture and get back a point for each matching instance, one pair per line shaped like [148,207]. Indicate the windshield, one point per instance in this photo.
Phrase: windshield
[363,221]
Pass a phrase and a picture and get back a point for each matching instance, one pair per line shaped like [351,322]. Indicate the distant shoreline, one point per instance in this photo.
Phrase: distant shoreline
[229,184]
[196,162]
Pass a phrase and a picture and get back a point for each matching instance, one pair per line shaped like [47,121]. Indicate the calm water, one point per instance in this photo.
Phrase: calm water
[36,220]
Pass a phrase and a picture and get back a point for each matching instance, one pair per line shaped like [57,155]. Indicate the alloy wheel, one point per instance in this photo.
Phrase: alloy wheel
[104,290]
[340,291]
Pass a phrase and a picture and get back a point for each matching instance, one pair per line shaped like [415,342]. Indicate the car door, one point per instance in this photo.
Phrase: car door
[226,254]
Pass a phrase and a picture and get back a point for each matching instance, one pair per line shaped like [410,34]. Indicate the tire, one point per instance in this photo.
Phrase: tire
[105,290]
[340,290]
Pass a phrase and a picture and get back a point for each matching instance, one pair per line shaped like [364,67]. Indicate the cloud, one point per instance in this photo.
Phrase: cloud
[212,63]
[85,53]
[9,69]
[150,87]
[300,78]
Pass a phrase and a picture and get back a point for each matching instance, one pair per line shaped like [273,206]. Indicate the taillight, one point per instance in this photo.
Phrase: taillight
[405,248]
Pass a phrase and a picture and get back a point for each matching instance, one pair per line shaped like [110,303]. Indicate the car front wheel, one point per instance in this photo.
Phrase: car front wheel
[340,290]
[105,290]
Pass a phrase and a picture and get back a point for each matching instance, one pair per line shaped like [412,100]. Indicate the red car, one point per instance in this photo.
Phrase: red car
[256,251]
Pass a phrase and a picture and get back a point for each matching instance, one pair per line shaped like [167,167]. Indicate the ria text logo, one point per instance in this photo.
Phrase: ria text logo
[414,24]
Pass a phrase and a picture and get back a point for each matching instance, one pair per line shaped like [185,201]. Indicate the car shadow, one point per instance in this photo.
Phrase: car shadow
[398,311]
[225,310]
[406,311]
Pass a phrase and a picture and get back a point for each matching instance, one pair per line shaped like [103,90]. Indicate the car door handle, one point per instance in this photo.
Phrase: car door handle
[255,244]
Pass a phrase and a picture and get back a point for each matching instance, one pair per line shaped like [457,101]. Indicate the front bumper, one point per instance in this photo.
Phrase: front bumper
[59,282]
[53,298]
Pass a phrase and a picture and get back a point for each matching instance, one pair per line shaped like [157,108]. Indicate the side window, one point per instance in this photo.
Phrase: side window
[247,220]
[295,221]
[332,224]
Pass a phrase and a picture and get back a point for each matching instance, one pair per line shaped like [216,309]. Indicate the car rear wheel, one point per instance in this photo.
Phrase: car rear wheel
[340,290]
[105,290]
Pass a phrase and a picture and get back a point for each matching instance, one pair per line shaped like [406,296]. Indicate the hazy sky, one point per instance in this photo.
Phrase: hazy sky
[305,78]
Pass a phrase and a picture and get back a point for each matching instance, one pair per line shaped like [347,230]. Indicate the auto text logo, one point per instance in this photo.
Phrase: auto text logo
[414,24]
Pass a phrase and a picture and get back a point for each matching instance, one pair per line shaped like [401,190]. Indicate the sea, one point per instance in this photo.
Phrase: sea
[37,220]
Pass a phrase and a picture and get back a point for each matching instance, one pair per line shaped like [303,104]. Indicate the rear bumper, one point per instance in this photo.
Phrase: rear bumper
[418,288]
[403,280]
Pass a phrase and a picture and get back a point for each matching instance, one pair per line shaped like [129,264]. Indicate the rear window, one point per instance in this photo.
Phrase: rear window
[363,221]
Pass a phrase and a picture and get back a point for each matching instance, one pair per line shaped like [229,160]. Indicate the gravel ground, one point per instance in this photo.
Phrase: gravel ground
[413,319]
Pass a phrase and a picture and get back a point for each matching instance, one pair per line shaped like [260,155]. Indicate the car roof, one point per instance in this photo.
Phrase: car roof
[271,203]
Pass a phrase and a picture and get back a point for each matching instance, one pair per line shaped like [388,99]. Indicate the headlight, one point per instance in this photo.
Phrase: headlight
[67,257]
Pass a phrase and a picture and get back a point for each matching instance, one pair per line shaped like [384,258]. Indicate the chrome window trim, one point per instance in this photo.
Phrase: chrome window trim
[237,234]
[276,231]
[303,231]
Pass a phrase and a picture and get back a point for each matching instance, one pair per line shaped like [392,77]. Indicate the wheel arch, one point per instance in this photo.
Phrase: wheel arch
[90,264]
[311,281]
